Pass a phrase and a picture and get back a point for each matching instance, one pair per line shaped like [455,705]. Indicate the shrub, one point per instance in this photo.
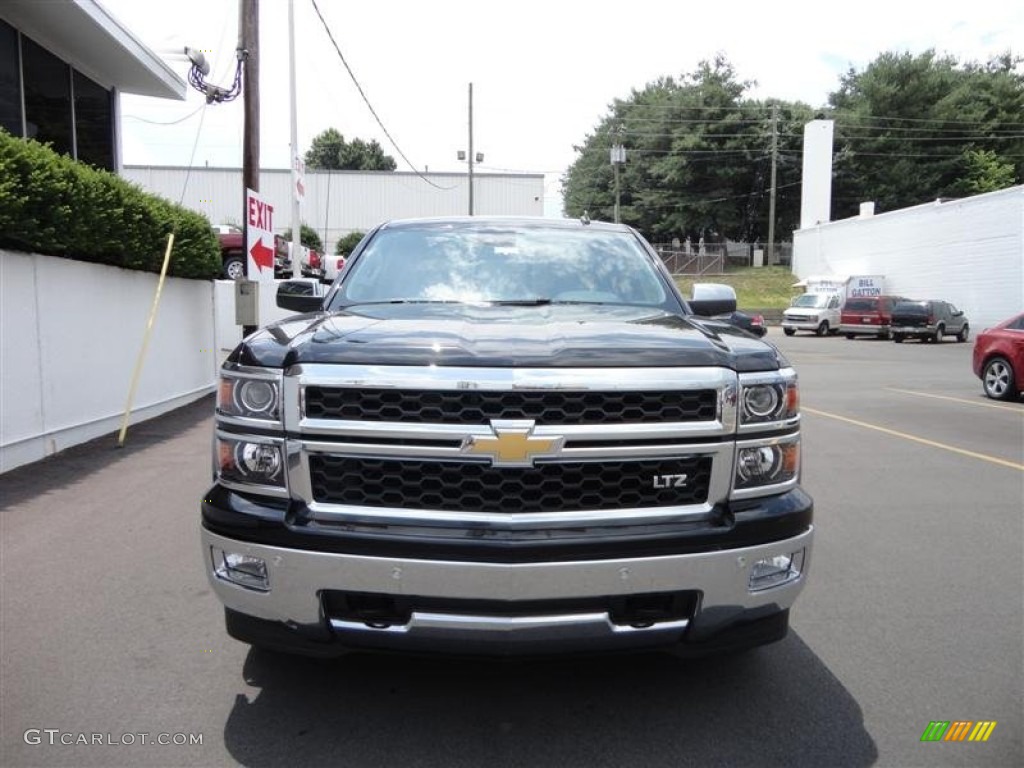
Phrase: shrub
[57,206]
[307,236]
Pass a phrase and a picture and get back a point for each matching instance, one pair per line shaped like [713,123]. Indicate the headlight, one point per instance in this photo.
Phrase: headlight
[249,397]
[769,398]
[250,461]
[766,464]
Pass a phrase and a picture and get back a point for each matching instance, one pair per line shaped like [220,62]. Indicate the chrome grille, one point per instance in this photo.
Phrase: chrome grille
[478,487]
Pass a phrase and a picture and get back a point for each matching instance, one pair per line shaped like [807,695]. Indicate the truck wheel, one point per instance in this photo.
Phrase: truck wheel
[823,328]
[788,331]
[850,335]
[940,331]
[964,334]
[234,267]
[885,335]
[997,379]
[898,338]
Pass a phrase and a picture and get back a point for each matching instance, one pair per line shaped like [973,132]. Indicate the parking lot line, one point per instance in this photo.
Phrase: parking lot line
[916,439]
[979,403]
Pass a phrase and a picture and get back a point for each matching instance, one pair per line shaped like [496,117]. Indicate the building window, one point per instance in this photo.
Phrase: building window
[47,97]
[10,83]
[94,130]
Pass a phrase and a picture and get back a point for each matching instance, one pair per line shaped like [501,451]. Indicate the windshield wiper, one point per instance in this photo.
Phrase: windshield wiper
[402,301]
[538,302]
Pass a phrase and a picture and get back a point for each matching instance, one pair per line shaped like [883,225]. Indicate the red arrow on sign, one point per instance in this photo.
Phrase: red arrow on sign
[263,256]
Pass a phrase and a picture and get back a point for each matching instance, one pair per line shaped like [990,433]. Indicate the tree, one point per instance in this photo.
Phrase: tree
[345,245]
[330,151]
[912,128]
[984,172]
[698,159]
[307,236]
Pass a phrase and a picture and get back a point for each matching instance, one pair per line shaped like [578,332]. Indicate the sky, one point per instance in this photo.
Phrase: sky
[543,72]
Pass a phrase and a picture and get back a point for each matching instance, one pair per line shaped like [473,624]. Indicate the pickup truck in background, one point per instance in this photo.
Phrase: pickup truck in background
[232,253]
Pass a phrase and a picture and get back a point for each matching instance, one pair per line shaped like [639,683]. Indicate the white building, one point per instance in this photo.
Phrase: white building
[62,66]
[339,202]
[968,251]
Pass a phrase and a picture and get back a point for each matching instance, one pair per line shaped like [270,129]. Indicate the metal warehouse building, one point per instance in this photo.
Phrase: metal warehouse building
[968,251]
[339,202]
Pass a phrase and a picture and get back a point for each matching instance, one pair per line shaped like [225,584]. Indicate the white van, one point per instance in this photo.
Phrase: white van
[815,312]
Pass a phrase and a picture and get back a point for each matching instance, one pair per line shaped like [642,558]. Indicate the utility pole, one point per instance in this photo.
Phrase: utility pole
[296,160]
[470,149]
[771,198]
[249,27]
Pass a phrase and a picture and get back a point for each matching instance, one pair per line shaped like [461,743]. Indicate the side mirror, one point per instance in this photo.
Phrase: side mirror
[712,299]
[300,295]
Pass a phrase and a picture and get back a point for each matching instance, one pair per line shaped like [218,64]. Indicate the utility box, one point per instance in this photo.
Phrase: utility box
[758,257]
[247,301]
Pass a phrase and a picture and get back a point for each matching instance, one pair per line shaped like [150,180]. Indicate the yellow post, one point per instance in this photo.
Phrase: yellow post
[145,342]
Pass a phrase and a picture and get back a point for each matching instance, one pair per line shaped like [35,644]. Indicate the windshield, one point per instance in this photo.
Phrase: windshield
[816,300]
[487,263]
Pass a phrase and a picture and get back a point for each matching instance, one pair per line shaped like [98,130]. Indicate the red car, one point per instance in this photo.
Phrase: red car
[999,359]
[867,316]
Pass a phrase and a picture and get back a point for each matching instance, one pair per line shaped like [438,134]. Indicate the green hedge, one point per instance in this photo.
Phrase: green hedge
[52,204]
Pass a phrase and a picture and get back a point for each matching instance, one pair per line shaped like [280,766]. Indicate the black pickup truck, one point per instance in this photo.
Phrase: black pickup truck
[506,436]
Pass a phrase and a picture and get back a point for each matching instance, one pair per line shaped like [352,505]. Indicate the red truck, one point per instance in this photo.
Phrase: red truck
[232,253]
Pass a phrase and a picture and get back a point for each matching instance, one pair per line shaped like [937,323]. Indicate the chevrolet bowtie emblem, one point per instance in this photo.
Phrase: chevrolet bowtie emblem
[513,444]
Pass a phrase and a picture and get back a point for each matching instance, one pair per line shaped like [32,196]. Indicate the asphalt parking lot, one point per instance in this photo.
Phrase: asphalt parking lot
[913,613]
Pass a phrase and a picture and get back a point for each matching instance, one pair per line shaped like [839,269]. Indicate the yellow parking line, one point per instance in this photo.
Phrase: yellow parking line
[914,438]
[979,403]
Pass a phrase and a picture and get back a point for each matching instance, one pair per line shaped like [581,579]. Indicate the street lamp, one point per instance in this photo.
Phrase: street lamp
[473,158]
[618,157]
[470,156]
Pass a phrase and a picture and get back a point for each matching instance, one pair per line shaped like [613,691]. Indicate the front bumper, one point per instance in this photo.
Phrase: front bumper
[810,324]
[457,600]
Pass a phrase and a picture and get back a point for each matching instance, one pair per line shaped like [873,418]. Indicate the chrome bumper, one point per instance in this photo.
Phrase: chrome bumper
[297,577]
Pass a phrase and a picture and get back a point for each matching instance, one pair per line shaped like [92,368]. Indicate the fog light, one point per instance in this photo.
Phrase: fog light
[775,571]
[244,570]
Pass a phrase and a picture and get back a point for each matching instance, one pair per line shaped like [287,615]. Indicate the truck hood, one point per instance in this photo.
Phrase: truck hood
[553,336]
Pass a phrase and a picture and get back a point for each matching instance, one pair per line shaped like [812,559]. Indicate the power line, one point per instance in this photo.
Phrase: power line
[369,106]
[978,137]
[192,157]
[167,122]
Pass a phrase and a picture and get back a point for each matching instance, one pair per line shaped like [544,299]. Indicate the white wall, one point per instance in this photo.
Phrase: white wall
[70,334]
[339,202]
[968,251]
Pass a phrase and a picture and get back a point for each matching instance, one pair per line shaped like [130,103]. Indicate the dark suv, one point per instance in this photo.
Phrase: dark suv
[928,321]
[868,316]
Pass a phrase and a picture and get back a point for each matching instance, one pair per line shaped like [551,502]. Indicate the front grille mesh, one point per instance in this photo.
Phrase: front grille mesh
[558,407]
[479,487]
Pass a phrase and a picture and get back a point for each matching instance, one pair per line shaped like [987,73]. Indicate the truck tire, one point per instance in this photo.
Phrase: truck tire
[788,331]
[850,335]
[898,338]
[965,333]
[940,331]
[823,328]
[234,267]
